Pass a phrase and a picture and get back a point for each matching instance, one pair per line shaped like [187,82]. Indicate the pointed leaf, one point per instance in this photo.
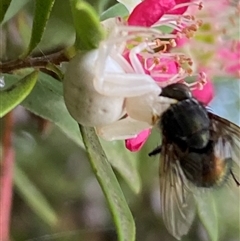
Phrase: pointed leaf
[41,16]
[99,6]
[117,10]
[207,212]
[15,94]
[89,31]
[3,8]
[124,162]
[46,100]
[35,199]
[120,211]
[13,9]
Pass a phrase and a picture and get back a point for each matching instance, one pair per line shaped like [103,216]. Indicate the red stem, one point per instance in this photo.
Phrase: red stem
[6,178]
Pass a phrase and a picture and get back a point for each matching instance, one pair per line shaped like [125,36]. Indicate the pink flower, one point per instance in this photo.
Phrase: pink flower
[230,56]
[149,12]
[206,94]
[215,47]
[135,144]
[162,70]
[164,67]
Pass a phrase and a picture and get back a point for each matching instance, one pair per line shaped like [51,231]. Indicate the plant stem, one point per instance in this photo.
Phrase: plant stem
[34,62]
[6,178]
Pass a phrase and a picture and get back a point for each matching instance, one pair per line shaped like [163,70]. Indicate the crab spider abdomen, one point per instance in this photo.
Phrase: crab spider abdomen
[87,106]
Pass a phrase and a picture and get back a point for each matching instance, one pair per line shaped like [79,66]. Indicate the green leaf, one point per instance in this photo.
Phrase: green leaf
[46,100]
[120,211]
[124,162]
[16,93]
[207,212]
[89,31]
[3,8]
[33,196]
[13,9]
[41,16]
[114,11]
[99,6]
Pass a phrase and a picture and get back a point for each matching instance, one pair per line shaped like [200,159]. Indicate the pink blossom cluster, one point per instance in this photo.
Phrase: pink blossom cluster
[171,13]
[165,68]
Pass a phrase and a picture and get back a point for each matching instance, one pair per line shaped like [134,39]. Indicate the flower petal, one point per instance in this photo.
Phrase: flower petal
[206,94]
[149,12]
[180,10]
[164,67]
[135,144]
[230,55]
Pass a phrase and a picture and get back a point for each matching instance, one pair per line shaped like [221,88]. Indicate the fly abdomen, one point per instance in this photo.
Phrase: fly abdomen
[204,168]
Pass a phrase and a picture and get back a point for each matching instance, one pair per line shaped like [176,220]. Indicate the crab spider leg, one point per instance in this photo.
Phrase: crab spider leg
[123,129]
[129,127]
[123,63]
[126,85]
[147,108]
[142,31]
[137,66]
[113,81]
[107,46]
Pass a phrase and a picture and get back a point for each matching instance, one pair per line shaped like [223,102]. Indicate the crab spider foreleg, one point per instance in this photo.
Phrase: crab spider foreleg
[126,85]
[143,114]
[137,65]
[147,108]
[119,83]
[123,129]
[120,35]
[115,82]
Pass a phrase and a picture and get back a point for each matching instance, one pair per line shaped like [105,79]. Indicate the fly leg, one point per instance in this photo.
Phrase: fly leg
[156,151]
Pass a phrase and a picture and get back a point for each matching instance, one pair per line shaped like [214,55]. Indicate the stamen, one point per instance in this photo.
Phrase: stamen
[192,3]
[201,81]
[160,45]
[186,24]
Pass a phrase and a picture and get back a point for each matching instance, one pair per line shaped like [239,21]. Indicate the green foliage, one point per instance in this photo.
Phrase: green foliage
[3,8]
[208,214]
[15,94]
[116,10]
[46,101]
[124,162]
[89,31]
[41,15]
[110,186]
[8,11]
[34,198]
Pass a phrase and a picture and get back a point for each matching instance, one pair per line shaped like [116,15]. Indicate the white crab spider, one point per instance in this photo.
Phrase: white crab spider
[101,86]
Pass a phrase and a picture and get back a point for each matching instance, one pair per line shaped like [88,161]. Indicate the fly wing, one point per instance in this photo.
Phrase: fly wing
[227,135]
[177,200]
